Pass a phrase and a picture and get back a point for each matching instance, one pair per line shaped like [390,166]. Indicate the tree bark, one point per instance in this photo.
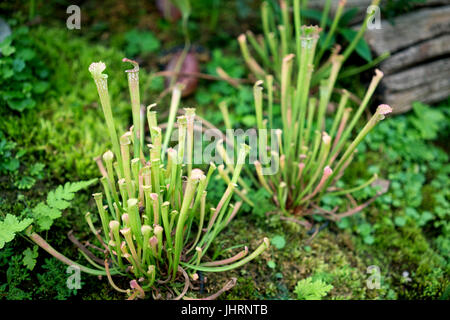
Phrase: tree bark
[419,66]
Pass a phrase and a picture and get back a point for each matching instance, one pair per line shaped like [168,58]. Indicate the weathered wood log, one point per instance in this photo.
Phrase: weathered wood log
[419,66]
[419,42]
[428,83]
[423,51]
[409,29]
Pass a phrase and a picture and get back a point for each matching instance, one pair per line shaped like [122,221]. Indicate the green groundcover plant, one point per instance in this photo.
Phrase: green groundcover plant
[155,224]
[23,75]
[43,214]
[309,289]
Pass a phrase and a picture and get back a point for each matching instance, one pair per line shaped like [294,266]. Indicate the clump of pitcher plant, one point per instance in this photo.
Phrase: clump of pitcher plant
[312,152]
[264,53]
[155,222]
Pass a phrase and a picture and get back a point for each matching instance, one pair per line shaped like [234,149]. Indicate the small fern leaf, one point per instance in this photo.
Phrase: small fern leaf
[10,226]
[57,200]
[29,257]
[44,215]
[307,289]
[77,186]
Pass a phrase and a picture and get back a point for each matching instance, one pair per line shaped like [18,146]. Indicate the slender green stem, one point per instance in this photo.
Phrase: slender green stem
[174,103]
[101,80]
[232,266]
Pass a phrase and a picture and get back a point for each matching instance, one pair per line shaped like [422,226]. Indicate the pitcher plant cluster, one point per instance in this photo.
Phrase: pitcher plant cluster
[314,151]
[156,224]
[288,35]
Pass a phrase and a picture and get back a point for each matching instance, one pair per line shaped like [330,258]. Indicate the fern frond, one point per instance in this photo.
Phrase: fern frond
[57,200]
[309,289]
[10,226]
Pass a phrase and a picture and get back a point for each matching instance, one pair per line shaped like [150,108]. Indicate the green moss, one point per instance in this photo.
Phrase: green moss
[328,256]
[406,249]
[67,131]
